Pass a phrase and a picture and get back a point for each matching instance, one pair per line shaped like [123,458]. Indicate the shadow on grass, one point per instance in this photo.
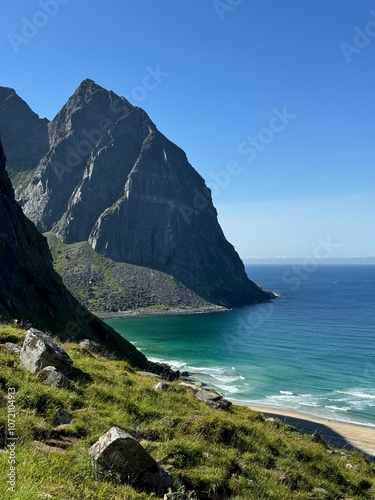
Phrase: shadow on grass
[329,435]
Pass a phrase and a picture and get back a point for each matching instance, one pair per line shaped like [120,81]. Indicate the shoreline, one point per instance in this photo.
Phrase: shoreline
[146,313]
[343,435]
[340,434]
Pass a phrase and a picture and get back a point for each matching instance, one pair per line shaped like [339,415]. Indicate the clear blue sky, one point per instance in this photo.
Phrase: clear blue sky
[225,71]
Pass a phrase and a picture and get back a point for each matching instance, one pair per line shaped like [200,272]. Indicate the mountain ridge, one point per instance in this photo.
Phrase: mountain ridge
[112,179]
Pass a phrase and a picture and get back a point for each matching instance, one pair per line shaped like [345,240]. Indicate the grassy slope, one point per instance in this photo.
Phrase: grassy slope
[229,454]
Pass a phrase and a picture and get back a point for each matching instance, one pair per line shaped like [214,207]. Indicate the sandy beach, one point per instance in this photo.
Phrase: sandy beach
[173,311]
[344,435]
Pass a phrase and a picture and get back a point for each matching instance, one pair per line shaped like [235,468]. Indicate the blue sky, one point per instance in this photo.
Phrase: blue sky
[272,100]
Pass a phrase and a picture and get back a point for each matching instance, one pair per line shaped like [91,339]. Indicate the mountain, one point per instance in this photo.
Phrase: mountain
[112,179]
[30,289]
[24,135]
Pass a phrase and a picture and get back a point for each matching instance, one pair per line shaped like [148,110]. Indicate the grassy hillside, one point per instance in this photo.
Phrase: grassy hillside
[106,286]
[231,454]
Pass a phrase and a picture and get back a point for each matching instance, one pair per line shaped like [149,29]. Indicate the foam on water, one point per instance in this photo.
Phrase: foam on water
[311,350]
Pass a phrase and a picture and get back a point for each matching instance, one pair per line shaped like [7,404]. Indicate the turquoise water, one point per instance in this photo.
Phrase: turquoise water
[313,349]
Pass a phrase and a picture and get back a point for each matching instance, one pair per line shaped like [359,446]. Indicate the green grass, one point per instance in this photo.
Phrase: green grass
[231,454]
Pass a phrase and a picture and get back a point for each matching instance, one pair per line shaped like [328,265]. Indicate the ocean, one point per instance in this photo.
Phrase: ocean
[312,349]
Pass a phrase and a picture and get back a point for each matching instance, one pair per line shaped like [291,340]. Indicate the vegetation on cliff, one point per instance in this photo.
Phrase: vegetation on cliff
[106,286]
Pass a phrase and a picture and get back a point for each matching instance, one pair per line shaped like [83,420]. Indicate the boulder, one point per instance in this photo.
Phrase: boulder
[39,351]
[62,417]
[213,399]
[95,348]
[206,396]
[13,348]
[161,386]
[119,451]
[51,376]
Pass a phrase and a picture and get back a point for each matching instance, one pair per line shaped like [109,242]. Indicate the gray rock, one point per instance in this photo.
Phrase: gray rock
[117,450]
[206,396]
[51,376]
[13,348]
[62,417]
[222,404]
[213,399]
[96,348]
[161,386]
[39,350]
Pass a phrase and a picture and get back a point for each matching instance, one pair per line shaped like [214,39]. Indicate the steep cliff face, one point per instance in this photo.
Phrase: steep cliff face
[111,178]
[31,291]
[24,134]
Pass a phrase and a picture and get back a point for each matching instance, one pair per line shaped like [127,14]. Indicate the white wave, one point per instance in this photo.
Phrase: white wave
[228,388]
[209,370]
[337,408]
[227,379]
[286,393]
[358,393]
[212,375]
[173,363]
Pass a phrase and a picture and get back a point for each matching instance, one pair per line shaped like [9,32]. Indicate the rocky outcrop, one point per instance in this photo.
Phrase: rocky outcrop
[213,399]
[95,348]
[13,348]
[32,292]
[111,178]
[40,350]
[121,452]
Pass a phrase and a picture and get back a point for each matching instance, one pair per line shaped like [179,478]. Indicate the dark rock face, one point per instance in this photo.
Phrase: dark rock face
[111,178]
[23,133]
[31,291]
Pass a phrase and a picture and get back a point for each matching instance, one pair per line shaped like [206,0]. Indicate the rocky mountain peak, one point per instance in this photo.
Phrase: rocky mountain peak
[112,179]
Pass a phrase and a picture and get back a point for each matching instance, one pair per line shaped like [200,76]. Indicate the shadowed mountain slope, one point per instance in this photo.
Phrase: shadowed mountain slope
[32,292]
